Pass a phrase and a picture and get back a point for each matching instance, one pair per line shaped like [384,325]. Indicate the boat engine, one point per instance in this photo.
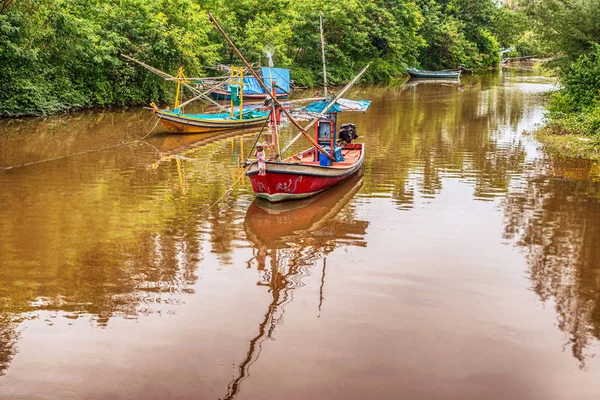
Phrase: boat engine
[348,132]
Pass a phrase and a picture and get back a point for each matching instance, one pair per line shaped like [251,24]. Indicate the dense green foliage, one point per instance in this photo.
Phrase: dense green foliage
[573,29]
[570,26]
[458,32]
[61,54]
[58,54]
[513,28]
[576,108]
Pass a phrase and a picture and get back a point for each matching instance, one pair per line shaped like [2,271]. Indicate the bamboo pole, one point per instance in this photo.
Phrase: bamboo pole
[323,54]
[202,95]
[164,75]
[266,89]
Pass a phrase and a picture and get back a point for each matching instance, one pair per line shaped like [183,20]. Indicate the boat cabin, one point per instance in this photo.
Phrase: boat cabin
[326,136]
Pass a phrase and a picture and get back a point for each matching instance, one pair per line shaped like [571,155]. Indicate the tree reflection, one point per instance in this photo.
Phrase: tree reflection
[425,132]
[8,339]
[554,215]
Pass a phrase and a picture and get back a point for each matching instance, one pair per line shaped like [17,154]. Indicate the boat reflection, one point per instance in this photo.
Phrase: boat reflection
[176,146]
[289,239]
[414,82]
[271,224]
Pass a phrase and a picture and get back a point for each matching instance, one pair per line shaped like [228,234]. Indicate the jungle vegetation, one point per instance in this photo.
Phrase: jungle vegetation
[58,55]
[573,29]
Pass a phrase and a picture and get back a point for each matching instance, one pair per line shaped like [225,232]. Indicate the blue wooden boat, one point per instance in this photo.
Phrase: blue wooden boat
[444,74]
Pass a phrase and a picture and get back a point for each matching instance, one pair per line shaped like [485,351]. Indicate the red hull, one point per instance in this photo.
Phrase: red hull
[288,180]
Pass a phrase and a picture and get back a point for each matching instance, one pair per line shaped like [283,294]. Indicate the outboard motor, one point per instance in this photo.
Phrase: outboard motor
[348,132]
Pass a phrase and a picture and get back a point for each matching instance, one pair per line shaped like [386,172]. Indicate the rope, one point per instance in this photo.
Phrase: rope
[61,157]
[151,130]
[82,152]
[217,201]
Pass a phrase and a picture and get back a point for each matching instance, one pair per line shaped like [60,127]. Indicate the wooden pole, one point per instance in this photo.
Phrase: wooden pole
[266,89]
[202,95]
[323,54]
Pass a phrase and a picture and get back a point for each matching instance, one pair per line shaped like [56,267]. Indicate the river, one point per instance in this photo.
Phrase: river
[463,264]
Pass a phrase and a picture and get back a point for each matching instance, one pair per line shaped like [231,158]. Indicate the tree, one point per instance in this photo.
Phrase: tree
[572,26]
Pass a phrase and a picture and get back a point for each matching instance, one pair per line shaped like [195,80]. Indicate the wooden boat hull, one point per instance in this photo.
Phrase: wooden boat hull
[289,181]
[223,95]
[174,123]
[433,74]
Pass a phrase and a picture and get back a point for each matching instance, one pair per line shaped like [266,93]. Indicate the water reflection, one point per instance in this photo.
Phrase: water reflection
[432,131]
[553,215]
[289,239]
[413,82]
[94,237]
[107,236]
[8,339]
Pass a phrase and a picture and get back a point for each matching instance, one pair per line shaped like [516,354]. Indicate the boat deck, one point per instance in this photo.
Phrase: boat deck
[351,154]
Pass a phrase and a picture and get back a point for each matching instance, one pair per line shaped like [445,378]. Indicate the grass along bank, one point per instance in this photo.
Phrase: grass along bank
[569,145]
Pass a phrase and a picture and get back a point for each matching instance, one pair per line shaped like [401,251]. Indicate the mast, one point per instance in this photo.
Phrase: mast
[266,89]
[269,51]
[323,54]
[237,80]
[180,79]
[275,132]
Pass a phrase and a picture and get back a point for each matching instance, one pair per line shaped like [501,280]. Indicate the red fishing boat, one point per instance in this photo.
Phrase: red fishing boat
[328,163]
[309,172]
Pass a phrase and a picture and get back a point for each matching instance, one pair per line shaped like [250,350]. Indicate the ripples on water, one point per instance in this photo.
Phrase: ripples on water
[462,264]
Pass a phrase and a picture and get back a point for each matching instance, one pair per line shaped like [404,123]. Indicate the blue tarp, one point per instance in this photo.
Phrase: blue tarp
[341,105]
[318,106]
[281,77]
[251,86]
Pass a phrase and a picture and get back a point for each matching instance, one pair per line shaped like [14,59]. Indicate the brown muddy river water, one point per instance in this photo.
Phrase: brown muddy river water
[463,264]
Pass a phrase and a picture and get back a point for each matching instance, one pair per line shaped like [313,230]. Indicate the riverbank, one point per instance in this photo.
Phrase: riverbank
[572,135]
[568,145]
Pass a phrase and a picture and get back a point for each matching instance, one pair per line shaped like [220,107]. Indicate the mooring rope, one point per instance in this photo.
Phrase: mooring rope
[202,214]
[27,164]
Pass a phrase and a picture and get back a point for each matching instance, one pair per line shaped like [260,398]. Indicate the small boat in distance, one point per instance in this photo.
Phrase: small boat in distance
[444,74]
